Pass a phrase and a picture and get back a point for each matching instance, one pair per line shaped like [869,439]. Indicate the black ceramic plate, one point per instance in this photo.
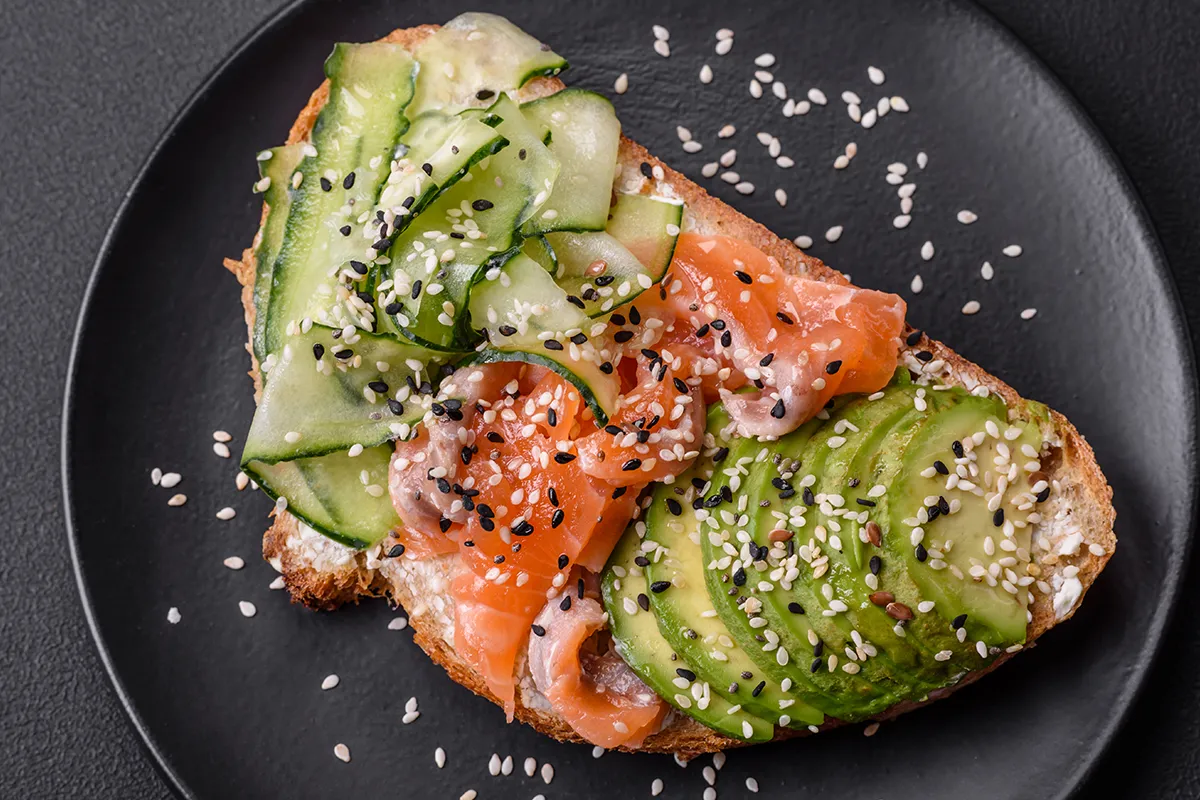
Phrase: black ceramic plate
[232,707]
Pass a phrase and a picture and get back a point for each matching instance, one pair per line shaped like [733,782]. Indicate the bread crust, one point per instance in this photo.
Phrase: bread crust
[323,576]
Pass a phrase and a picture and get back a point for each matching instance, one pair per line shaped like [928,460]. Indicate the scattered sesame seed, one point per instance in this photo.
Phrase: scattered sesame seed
[683,133]
[781,197]
[547,773]
[841,162]
[221,449]
[661,33]
[170,480]
[439,758]
[342,752]
[817,97]
[971,307]
[922,160]
[709,169]
[752,785]
[692,147]
[779,90]
[901,221]
[156,476]
[765,60]
[706,74]
[469,794]
[1029,313]
[247,608]
[756,90]
[173,615]
[744,187]
[277,584]
[871,729]
[234,562]
[177,500]
[986,271]
[662,48]
[803,242]
[724,33]
[724,46]
[927,251]
[875,74]
[241,481]
[917,284]
[330,682]
[656,787]
[226,513]
[726,131]
[967,217]
[531,767]
[397,623]
[899,104]
[833,234]
[621,84]
[221,436]
[1013,250]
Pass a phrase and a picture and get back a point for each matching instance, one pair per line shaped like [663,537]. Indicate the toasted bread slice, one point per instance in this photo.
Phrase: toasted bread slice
[1076,531]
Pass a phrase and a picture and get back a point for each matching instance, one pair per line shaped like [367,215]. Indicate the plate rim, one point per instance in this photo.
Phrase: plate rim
[1163,615]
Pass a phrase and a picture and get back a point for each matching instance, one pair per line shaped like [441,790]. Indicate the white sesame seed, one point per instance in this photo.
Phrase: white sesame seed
[893,179]
[661,33]
[854,112]
[1096,549]
[506,767]
[1013,250]
[342,752]
[803,242]
[724,33]
[745,187]
[726,131]
[817,97]
[656,787]
[752,785]
[277,584]
[221,449]
[439,758]
[724,46]
[841,162]
[494,765]
[156,476]
[851,99]
[971,307]
[170,480]
[247,608]
[706,74]
[765,60]
[926,249]
[241,481]
[597,751]
[731,177]
[226,513]
[727,158]
[692,147]
[531,767]
[621,84]
[875,74]
[234,562]
[986,271]
[469,794]
[709,169]
[784,162]
[869,119]
[901,221]
[662,48]
[763,76]
[967,217]
[755,88]
[781,197]
[899,104]
[871,729]
[834,233]
[547,773]
[709,774]
[173,615]
[683,133]
[410,717]
[917,284]
[922,160]
[177,500]
[330,682]
[1029,313]
[221,436]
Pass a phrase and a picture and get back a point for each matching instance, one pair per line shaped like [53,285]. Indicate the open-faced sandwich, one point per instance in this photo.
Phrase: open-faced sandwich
[641,472]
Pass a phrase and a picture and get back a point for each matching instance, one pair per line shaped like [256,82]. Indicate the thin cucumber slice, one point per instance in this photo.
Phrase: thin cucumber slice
[649,227]
[527,317]
[585,135]
[476,56]
[362,390]
[582,255]
[469,229]
[537,248]
[348,160]
[276,169]
[340,496]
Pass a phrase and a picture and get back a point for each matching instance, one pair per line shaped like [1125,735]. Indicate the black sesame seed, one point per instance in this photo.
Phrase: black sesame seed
[484,94]
[579,338]
[427,168]
[658,587]
[631,465]
[416,289]
[575,301]
[395,406]
[784,318]
[913,338]
[507,330]
[702,331]
[779,409]
[556,518]
[553,495]
[941,467]
[924,355]
[922,553]
[326,186]
[816,665]
[739,577]
[344,354]
[674,507]
[998,517]
[862,501]
[482,205]
[641,561]
[408,201]
[795,608]
[487,523]
[552,344]
[345,230]
[743,277]
[393,308]
[686,674]
[348,181]
[832,367]
[619,492]
[396,551]
[959,621]
[604,280]
[564,458]
[720,455]
[943,505]
[957,448]
[358,267]
[766,360]
[563,561]
[444,524]
[318,350]
[643,601]
[758,689]
[876,564]
[606,368]
[538,630]
[647,170]
[1043,495]
[498,559]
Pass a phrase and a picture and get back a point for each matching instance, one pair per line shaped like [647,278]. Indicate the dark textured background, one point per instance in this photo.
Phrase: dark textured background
[86,87]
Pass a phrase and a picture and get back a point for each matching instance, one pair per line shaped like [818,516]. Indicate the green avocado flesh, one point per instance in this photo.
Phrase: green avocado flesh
[872,556]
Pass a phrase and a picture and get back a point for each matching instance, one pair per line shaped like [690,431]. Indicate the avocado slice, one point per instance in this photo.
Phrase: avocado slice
[973,562]
[626,593]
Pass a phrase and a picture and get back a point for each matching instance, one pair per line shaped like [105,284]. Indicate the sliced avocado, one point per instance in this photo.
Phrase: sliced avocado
[764,610]
[626,593]
[947,554]
[836,513]
[685,613]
